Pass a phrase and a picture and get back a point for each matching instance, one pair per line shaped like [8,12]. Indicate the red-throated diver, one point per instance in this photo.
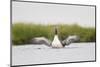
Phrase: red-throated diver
[56,43]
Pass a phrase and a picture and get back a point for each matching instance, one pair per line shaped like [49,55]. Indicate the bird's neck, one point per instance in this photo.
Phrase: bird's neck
[56,31]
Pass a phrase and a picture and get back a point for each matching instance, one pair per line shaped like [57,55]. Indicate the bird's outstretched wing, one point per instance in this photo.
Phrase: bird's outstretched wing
[47,42]
[40,40]
[70,39]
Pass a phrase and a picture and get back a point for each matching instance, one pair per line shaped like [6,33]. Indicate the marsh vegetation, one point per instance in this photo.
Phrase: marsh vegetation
[22,33]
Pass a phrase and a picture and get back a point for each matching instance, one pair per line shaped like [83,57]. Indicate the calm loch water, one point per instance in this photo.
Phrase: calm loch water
[40,54]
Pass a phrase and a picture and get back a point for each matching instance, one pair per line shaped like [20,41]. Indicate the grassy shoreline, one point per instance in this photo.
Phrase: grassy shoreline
[22,33]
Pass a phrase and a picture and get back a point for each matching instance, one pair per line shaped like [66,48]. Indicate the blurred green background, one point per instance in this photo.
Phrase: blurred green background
[22,33]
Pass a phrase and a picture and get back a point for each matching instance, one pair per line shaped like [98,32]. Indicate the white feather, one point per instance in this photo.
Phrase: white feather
[56,42]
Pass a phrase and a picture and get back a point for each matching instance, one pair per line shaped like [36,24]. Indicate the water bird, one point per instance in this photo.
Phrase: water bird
[56,43]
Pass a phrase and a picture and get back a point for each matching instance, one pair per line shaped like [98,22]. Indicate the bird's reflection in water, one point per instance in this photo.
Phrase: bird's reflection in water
[57,48]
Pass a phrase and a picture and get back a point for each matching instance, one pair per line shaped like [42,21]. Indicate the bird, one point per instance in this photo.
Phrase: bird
[56,43]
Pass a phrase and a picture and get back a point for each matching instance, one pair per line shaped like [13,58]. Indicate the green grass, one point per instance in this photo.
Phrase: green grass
[22,33]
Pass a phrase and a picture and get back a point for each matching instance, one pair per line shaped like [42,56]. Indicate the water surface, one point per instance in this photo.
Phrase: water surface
[40,54]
